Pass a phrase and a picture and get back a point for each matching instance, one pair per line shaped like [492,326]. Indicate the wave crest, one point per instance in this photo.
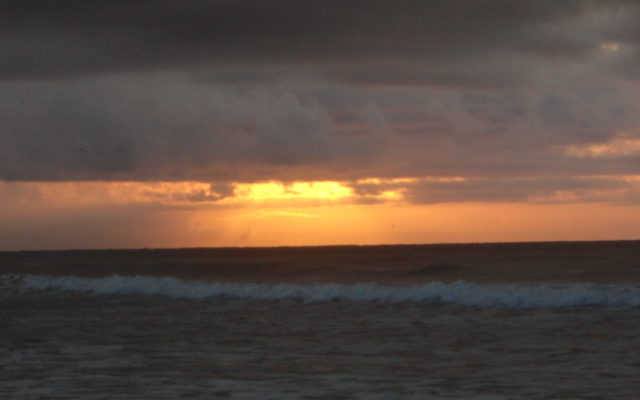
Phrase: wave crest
[458,293]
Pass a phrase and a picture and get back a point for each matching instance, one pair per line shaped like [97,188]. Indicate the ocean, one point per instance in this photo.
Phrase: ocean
[463,321]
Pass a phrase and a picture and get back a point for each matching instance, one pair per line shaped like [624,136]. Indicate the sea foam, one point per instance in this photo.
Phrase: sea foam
[459,293]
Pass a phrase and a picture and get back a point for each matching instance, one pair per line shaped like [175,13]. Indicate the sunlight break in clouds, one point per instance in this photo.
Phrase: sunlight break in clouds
[297,190]
[127,124]
[618,147]
[188,214]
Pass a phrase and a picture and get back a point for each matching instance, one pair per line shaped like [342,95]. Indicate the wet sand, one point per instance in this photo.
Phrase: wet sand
[550,262]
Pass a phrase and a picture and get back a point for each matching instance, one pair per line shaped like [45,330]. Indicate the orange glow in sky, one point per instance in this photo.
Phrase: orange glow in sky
[255,192]
[188,214]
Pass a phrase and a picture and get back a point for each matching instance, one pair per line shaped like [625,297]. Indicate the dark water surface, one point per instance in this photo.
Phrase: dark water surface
[617,262]
[562,324]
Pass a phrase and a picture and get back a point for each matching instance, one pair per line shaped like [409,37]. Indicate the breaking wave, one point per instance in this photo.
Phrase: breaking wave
[458,293]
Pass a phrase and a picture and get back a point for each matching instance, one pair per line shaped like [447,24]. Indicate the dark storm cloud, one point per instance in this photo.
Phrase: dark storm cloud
[237,90]
[165,127]
[542,190]
[404,42]
[168,129]
[505,190]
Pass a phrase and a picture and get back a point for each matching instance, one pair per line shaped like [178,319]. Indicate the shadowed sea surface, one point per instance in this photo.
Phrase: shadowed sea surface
[476,321]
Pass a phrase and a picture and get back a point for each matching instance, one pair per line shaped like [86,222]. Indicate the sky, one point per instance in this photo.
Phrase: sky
[284,122]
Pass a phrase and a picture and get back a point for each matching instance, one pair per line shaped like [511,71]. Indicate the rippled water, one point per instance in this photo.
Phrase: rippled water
[60,344]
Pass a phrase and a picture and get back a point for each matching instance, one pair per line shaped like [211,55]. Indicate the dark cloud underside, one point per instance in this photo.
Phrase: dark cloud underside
[422,38]
[244,90]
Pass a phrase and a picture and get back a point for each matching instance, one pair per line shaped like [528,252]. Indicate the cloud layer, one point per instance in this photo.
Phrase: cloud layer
[423,39]
[243,91]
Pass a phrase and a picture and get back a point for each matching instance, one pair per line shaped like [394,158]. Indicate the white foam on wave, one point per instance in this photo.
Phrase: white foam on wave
[459,293]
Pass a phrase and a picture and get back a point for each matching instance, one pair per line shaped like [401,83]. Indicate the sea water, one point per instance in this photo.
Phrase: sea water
[115,336]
